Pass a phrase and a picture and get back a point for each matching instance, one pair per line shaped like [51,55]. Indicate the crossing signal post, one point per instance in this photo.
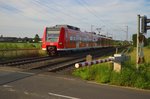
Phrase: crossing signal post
[137,50]
[141,29]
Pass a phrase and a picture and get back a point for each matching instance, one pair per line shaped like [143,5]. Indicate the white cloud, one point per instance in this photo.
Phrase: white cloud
[32,15]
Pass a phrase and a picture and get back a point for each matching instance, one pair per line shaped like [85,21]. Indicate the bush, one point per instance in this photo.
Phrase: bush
[131,49]
[129,76]
[7,45]
[82,72]
[148,46]
[143,77]
[103,73]
[114,78]
[100,73]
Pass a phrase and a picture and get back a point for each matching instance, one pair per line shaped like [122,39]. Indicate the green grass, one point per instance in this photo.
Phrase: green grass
[19,45]
[100,72]
[129,75]
[146,55]
[7,53]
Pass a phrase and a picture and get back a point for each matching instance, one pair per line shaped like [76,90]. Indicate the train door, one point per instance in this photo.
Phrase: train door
[67,39]
[77,44]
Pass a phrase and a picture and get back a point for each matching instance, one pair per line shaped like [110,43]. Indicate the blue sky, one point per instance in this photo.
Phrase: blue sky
[25,18]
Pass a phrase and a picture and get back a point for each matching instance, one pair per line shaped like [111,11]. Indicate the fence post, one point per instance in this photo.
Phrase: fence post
[88,58]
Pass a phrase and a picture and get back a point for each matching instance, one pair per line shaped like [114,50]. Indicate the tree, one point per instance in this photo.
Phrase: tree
[25,39]
[1,36]
[134,38]
[36,38]
[148,41]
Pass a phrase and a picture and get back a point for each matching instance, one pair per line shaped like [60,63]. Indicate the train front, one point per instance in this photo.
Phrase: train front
[52,40]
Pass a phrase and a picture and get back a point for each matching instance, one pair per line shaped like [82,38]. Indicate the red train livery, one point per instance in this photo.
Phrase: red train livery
[61,38]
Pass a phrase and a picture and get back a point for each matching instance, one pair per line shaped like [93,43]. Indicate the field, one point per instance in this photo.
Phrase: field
[19,45]
[146,55]
[129,75]
[20,50]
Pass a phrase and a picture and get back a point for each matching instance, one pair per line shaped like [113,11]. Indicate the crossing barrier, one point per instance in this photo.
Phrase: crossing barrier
[77,65]
[117,59]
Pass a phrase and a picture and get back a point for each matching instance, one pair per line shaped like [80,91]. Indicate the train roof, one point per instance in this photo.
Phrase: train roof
[99,35]
[57,27]
[65,26]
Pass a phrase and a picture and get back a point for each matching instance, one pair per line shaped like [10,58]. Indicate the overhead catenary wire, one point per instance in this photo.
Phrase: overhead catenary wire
[56,9]
[93,12]
[90,10]
[53,9]
[59,9]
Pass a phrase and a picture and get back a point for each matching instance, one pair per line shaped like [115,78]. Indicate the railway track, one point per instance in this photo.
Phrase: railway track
[23,61]
[67,68]
[58,64]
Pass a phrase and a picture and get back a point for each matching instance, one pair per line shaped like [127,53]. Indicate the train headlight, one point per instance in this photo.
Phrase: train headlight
[60,43]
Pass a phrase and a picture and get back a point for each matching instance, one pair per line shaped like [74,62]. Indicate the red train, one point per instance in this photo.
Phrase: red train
[61,38]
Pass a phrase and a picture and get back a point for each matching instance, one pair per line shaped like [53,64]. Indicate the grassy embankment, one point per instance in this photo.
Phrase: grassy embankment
[129,76]
[6,45]
[14,50]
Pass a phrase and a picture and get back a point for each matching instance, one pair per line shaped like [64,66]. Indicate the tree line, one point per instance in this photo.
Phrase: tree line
[36,39]
[146,40]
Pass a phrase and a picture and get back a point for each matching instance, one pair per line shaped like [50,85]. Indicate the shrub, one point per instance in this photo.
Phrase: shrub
[129,76]
[114,78]
[103,73]
[100,73]
[125,77]
[82,72]
[143,76]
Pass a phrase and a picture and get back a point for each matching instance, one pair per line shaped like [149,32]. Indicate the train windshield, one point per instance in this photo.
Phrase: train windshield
[52,35]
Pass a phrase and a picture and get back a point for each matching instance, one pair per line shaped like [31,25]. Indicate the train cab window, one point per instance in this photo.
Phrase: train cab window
[52,36]
[71,38]
[74,38]
[80,39]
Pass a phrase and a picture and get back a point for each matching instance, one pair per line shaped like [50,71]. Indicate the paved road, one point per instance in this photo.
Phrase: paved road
[52,86]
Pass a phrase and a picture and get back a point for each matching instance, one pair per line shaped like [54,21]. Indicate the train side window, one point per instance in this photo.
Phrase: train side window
[80,39]
[74,38]
[77,38]
[71,38]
